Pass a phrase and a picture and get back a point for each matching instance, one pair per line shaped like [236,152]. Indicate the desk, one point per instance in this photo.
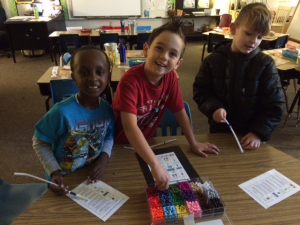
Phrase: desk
[226,170]
[94,35]
[33,35]
[230,36]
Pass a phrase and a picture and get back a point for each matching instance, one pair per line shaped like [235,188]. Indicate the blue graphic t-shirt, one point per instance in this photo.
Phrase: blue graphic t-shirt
[76,133]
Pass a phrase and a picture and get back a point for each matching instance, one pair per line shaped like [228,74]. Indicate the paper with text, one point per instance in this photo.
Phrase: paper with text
[172,165]
[270,188]
[102,199]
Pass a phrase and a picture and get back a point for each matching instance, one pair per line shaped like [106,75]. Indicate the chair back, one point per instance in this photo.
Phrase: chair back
[281,16]
[169,124]
[3,18]
[69,42]
[213,40]
[62,89]
[225,20]
[280,42]
[142,38]
[108,38]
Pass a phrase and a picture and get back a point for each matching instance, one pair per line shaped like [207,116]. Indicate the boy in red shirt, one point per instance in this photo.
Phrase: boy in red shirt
[146,90]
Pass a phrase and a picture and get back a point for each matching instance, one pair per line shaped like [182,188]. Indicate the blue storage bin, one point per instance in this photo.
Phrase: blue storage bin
[289,55]
[135,62]
[143,28]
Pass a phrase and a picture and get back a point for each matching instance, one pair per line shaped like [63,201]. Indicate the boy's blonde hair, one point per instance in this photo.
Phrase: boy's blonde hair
[256,16]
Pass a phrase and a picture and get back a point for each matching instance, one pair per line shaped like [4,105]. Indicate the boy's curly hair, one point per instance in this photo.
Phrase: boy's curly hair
[256,16]
[172,26]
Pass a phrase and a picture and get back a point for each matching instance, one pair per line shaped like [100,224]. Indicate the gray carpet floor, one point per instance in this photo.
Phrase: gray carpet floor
[21,106]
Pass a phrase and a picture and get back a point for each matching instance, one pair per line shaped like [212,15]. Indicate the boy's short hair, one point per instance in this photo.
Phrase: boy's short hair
[172,26]
[256,16]
[87,48]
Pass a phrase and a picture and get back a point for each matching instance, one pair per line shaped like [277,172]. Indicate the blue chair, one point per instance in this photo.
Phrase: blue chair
[169,123]
[16,198]
[66,43]
[142,38]
[62,89]
[108,38]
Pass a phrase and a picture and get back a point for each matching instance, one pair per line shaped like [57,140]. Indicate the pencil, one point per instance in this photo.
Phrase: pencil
[153,146]
[236,139]
[49,182]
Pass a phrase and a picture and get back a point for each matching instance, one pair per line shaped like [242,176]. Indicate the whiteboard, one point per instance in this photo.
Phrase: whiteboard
[96,8]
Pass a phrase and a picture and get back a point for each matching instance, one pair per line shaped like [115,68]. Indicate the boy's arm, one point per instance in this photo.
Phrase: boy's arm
[272,105]
[199,148]
[141,146]
[202,91]
[45,155]
[107,147]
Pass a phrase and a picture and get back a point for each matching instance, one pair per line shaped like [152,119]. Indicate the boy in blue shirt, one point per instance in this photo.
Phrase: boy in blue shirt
[78,130]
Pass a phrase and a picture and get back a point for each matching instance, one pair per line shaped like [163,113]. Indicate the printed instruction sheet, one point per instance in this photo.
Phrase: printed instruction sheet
[100,199]
[172,165]
[270,188]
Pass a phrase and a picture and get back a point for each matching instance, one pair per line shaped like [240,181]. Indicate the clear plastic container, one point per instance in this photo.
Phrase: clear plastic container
[186,199]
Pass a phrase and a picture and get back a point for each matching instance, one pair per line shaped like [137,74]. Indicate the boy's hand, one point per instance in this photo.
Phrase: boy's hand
[58,179]
[219,115]
[250,141]
[98,168]
[201,148]
[161,177]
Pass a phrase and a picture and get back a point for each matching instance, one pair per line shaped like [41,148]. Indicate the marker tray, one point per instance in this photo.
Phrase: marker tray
[183,199]
[135,62]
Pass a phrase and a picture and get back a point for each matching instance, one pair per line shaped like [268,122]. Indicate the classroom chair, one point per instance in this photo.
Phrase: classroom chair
[108,38]
[4,38]
[16,198]
[213,39]
[62,89]
[142,38]
[66,43]
[169,125]
[279,43]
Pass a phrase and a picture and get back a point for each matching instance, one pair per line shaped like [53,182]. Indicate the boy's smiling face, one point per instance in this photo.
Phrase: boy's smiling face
[245,39]
[91,73]
[163,55]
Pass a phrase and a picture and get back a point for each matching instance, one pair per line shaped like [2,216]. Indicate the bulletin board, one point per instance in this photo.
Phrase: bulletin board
[156,8]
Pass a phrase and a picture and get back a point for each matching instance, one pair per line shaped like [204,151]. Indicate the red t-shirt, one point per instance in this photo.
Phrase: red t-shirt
[136,95]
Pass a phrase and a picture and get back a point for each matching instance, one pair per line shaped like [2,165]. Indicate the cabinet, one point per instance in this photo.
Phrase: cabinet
[33,35]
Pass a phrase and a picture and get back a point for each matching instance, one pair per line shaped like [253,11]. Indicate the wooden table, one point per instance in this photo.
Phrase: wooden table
[226,170]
